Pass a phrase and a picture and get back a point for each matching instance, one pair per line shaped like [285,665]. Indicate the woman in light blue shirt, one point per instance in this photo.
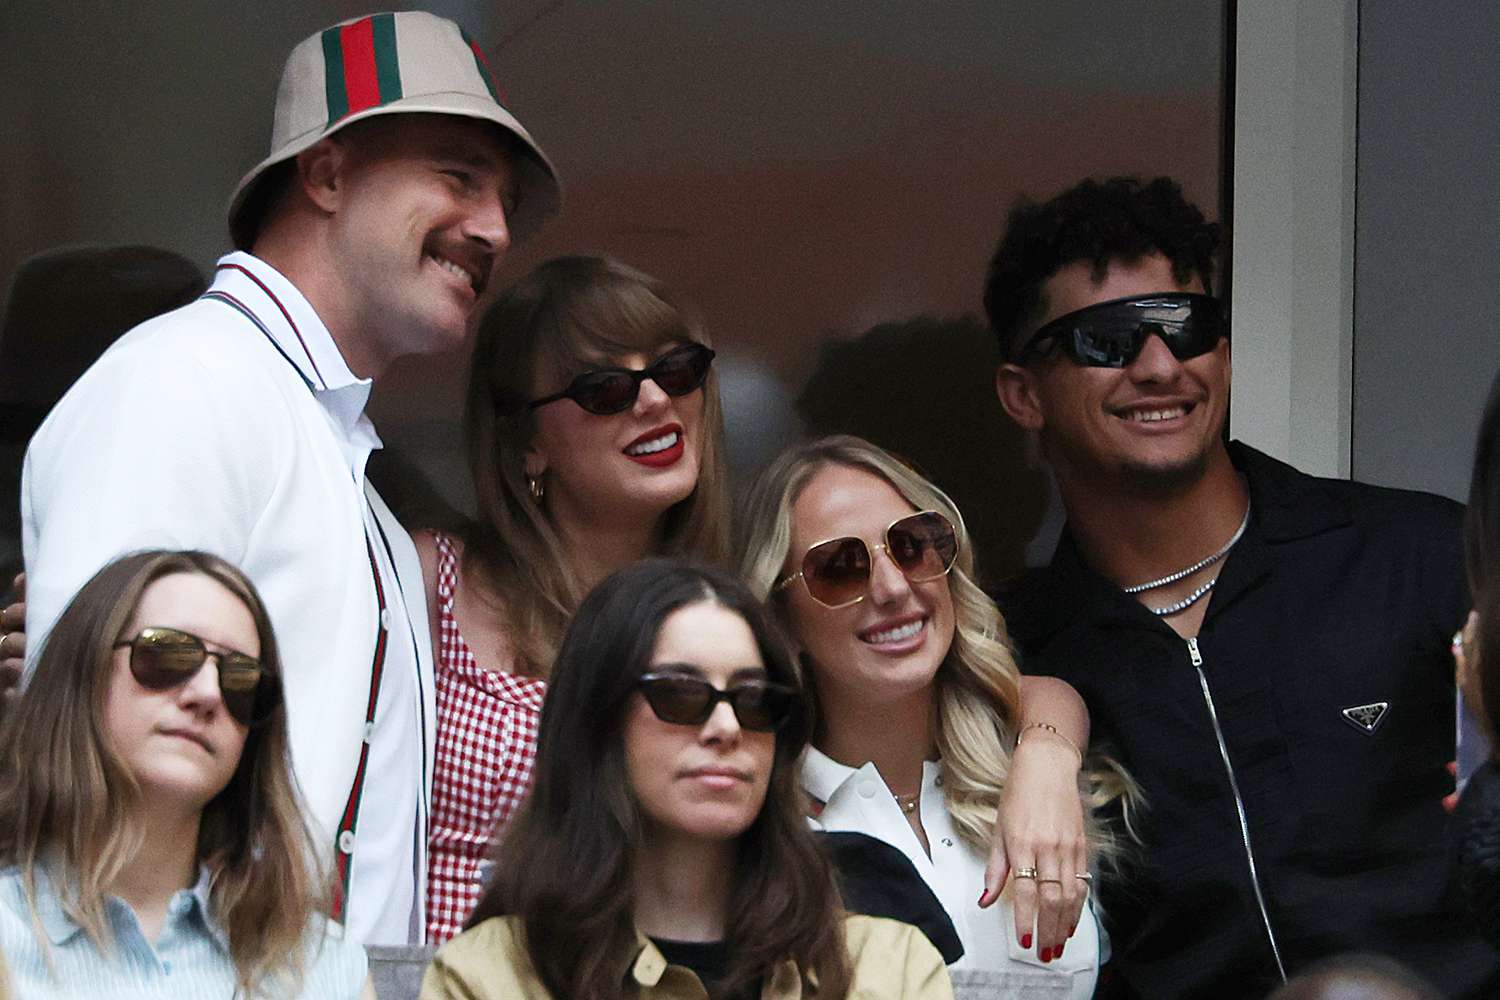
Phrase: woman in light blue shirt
[148,819]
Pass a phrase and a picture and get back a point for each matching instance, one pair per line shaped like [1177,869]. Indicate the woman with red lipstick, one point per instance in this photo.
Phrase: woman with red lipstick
[918,700]
[663,854]
[595,439]
[148,817]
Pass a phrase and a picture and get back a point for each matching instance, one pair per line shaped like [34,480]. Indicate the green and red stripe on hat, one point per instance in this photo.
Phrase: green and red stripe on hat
[407,61]
[363,69]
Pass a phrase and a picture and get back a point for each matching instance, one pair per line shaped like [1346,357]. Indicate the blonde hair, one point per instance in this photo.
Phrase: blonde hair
[73,806]
[978,682]
[566,316]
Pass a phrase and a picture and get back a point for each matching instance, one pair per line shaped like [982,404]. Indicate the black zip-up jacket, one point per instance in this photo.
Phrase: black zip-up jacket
[1292,755]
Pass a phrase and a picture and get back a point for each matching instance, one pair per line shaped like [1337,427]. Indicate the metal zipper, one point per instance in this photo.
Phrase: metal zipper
[1239,803]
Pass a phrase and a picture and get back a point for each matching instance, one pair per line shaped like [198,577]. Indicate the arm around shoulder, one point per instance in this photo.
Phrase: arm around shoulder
[1053,702]
[1041,822]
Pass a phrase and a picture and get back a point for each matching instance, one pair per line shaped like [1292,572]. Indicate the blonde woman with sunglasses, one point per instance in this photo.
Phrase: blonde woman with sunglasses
[918,706]
[149,830]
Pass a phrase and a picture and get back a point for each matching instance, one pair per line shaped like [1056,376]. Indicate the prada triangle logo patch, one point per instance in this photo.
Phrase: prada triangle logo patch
[1367,718]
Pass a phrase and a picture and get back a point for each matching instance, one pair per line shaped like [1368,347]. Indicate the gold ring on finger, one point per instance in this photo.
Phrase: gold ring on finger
[1085,877]
[1047,881]
[1026,873]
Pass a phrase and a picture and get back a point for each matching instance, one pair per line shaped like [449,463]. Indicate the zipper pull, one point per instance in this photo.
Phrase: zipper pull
[1193,653]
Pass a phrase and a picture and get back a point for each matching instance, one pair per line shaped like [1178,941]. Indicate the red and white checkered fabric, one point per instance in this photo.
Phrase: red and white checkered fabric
[486,744]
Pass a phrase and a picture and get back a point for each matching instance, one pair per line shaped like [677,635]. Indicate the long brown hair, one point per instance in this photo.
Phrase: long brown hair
[567,315]
[565,865]
[69,798]
[977,686]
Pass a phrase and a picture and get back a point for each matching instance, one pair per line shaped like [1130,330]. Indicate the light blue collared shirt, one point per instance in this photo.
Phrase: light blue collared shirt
[189,960]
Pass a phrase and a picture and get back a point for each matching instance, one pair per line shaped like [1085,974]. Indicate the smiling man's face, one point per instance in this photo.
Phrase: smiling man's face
[1153,423]
[422,218]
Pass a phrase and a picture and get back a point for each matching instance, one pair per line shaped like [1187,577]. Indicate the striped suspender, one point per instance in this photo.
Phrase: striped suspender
[349,818]
[218,295]
[344,841]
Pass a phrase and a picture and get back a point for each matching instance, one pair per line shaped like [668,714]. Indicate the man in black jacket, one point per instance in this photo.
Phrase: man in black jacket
[1264,651]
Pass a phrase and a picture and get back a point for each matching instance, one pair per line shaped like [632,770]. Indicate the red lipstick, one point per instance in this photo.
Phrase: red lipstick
[664,457]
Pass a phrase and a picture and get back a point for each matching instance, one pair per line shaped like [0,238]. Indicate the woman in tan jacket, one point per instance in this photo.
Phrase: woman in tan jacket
[662,852]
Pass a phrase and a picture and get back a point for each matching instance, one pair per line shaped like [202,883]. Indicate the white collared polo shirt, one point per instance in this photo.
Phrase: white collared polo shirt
[233,425]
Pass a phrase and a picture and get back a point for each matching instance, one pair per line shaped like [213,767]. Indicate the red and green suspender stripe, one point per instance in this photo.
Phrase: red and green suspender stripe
[350,817]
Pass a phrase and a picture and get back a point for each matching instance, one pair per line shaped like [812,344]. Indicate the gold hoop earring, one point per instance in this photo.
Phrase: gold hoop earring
[536,488]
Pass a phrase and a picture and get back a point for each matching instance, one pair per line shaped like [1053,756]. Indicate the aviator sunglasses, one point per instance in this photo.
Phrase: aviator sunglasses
[836,573]
[760,706]
[610,390]
[1111,334]
[165,658]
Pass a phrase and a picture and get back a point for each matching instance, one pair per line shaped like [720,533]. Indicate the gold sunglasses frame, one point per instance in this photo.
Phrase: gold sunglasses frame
[883,546]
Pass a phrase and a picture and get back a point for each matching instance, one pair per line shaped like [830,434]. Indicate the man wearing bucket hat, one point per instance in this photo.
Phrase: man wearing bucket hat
[236,424]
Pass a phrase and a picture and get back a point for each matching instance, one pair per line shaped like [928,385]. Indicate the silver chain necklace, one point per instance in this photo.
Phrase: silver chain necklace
[1201,591]
[1137,588]
[1186,602]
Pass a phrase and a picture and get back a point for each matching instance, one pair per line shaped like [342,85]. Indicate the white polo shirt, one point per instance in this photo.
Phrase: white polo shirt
[233,425]
[858,801]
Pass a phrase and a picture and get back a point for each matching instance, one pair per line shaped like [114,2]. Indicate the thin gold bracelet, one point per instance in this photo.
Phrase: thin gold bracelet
[1055,732]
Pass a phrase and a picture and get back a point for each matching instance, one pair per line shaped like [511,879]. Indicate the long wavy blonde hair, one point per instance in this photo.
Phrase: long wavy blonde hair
[978,682]
[69,803]
[566,316]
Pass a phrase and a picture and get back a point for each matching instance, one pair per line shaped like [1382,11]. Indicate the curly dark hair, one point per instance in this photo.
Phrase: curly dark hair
[1121,218]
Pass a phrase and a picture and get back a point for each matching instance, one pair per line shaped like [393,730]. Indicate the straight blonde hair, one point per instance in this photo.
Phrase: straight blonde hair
[70,805]
[568,315]
[978,682]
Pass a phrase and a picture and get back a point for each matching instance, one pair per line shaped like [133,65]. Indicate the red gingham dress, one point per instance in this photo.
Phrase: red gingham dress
[486,744]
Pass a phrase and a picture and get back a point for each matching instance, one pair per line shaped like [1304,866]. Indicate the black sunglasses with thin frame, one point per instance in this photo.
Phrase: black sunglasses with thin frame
[1111,334]
[611,390]
[760,706]
[164,658]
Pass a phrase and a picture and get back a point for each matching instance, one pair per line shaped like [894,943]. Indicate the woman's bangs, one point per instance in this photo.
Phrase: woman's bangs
[598,333]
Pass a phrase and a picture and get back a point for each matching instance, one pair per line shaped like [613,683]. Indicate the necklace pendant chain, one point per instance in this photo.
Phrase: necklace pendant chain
[1138,588]
[908,803]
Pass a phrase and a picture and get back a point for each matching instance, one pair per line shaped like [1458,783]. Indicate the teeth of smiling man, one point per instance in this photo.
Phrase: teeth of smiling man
[1151,416]
[898,633]
[448,265]
[654,445]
